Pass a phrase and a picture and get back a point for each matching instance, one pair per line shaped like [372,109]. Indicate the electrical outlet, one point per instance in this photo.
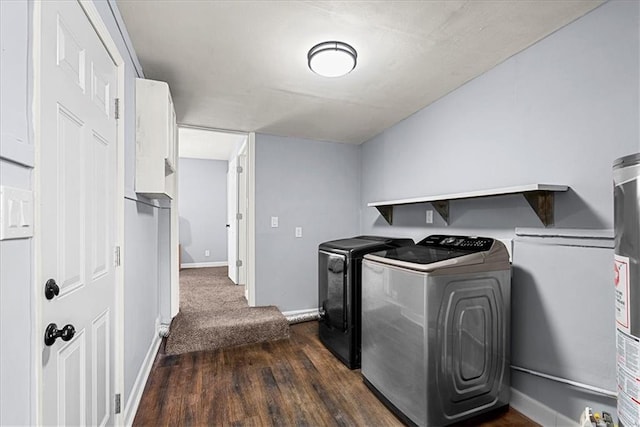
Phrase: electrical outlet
[298,231]
[274,222]
[429,216]
[207,252]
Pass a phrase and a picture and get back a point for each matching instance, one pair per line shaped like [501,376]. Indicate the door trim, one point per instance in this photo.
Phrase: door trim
[251,220]
[103,33]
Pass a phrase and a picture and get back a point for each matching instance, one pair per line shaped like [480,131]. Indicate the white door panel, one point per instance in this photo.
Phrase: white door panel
[78,208]
[232,229]
[242,223]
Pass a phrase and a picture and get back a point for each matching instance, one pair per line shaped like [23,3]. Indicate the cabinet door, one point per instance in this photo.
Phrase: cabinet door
[156,149]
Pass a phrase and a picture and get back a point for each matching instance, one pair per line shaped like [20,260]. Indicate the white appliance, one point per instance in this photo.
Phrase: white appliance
[435,328]
[626,175]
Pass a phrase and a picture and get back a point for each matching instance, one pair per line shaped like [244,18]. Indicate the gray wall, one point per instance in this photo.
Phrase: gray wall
[309,184]
[16,315]
[141,302]
[203,210]
[16,269]
[558,112]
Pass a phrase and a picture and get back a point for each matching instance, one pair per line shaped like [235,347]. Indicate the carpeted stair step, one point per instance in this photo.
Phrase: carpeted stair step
[214,314]
[213,330]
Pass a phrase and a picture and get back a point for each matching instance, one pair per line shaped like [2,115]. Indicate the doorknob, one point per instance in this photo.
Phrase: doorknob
[52,333]
[51,289]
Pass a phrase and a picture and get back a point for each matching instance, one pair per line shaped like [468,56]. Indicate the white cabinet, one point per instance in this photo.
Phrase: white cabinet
[156,140]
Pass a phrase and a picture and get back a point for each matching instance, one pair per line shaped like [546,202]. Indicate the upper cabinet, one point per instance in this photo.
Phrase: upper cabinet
[156,140]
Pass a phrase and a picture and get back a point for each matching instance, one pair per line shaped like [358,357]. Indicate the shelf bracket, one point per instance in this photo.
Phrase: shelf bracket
[542,204]
[442,207]
[386,212]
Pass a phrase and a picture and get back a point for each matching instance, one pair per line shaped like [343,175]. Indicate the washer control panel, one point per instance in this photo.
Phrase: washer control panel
[470,243]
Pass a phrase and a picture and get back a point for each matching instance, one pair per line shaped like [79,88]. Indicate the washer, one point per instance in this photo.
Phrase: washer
[339,289]
[435,328]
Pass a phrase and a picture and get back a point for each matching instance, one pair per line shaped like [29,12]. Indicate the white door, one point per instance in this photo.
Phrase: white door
[77,138]
[232,209]
[242,220]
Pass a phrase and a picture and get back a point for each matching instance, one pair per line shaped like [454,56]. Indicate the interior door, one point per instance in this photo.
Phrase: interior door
[232,227]
[77,134]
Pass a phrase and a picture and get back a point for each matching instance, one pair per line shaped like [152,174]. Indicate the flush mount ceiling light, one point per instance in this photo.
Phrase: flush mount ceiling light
[332,59]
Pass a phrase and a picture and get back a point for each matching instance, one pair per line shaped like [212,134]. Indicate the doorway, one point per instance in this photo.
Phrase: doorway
[202,153]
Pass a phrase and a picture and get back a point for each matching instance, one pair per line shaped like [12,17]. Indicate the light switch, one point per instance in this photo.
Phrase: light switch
[16,213]
[298,231]
[274,222]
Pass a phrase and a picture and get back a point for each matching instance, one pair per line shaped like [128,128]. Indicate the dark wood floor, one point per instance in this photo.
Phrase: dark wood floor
[283,383]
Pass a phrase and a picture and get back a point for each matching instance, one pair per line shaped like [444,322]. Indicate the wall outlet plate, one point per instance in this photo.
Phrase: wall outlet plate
[274,222]
[298,231]
[207,252]
[429,216]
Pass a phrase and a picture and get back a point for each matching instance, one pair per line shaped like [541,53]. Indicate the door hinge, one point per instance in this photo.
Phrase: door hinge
[116,111]
[238,216]
[239,169]
[239,263]
[116,256]
[117,405]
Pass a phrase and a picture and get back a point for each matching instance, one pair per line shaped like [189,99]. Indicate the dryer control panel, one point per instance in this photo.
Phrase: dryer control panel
[468,243]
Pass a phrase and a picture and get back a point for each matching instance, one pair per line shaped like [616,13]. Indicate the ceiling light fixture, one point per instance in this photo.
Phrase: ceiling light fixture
[332,59]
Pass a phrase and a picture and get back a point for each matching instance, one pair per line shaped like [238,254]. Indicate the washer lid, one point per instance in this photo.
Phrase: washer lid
[437,251]
[417,254]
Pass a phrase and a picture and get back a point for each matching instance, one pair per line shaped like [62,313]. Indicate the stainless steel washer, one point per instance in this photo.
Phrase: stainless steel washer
[435,328]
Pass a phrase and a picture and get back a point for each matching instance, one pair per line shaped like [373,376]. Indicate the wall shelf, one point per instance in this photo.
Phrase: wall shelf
[539,196]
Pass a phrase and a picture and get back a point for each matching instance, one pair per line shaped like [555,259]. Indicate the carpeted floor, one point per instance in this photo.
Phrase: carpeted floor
[214,314]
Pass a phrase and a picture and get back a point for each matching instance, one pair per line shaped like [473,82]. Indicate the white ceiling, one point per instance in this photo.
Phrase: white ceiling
[207,144]
[242,65]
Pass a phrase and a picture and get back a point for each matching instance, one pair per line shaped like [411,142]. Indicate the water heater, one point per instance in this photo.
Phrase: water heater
[626,172]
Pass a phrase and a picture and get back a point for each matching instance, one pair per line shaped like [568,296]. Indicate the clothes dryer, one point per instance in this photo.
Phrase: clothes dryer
[339,290]
[435,328]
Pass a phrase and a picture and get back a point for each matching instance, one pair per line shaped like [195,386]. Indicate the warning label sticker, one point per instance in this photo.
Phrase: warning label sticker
[628,373]
[621,282]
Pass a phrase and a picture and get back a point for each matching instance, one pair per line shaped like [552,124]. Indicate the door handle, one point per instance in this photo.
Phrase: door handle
[52,333]
[51,289]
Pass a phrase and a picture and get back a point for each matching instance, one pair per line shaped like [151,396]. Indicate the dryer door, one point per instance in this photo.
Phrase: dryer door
[333,290]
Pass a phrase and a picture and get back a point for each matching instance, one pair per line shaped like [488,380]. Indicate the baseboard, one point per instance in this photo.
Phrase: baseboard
[538,411]
[141,380]
[204,264]
[297,316]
